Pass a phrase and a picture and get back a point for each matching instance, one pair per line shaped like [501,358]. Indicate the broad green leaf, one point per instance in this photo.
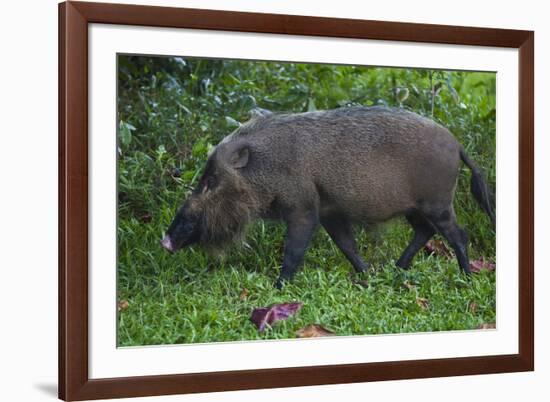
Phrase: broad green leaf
[125,132]
[231,122]
[311,105]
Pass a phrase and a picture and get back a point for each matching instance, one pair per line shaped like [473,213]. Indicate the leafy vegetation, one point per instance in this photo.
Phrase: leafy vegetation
[172,110]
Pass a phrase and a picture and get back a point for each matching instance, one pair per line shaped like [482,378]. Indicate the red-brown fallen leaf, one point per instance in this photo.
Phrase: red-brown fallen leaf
[123,305]
[481,264]
[244,294]
[313,331]
[268,315]
[363,283]
[438,247]
[490,325]
[473,307]
[423,303]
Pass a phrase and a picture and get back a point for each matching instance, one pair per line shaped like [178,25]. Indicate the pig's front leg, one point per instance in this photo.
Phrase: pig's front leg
[300,229]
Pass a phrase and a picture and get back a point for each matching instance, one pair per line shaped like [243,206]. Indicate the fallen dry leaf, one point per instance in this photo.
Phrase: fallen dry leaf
[123,305]
[473,307]
[313,331]
[146,218]
[363,283]
[438,247]
[268,315]
[481,264]
[244,294]
[490,325]
[176,172]
[423,303]
[409,285]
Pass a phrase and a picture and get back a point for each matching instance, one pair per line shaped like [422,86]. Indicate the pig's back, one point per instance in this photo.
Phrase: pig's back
[367,163]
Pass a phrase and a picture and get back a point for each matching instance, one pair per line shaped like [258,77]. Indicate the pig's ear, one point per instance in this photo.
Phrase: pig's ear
[239,157]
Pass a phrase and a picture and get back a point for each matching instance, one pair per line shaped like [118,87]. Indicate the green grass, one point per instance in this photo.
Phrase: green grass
[192,297]
[172,111]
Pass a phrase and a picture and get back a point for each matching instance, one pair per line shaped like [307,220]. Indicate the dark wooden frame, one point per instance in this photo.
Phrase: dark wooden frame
[74,18]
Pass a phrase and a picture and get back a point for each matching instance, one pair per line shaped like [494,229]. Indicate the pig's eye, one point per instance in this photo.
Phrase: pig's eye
[210,184]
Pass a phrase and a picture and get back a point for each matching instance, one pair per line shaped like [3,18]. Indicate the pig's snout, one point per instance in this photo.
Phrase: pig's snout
[167,243]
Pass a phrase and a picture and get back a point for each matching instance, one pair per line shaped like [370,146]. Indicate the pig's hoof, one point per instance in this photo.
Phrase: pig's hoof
[279,284]
[403,265]
[362,269]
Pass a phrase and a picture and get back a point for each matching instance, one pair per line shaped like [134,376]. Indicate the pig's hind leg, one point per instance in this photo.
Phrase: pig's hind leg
[341,232]
[423,231]
[445,223]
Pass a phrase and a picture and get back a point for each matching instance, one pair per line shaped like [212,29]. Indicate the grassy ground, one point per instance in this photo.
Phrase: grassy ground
[172,110]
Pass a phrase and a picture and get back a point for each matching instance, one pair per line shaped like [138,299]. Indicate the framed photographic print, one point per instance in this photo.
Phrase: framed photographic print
[259,200]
